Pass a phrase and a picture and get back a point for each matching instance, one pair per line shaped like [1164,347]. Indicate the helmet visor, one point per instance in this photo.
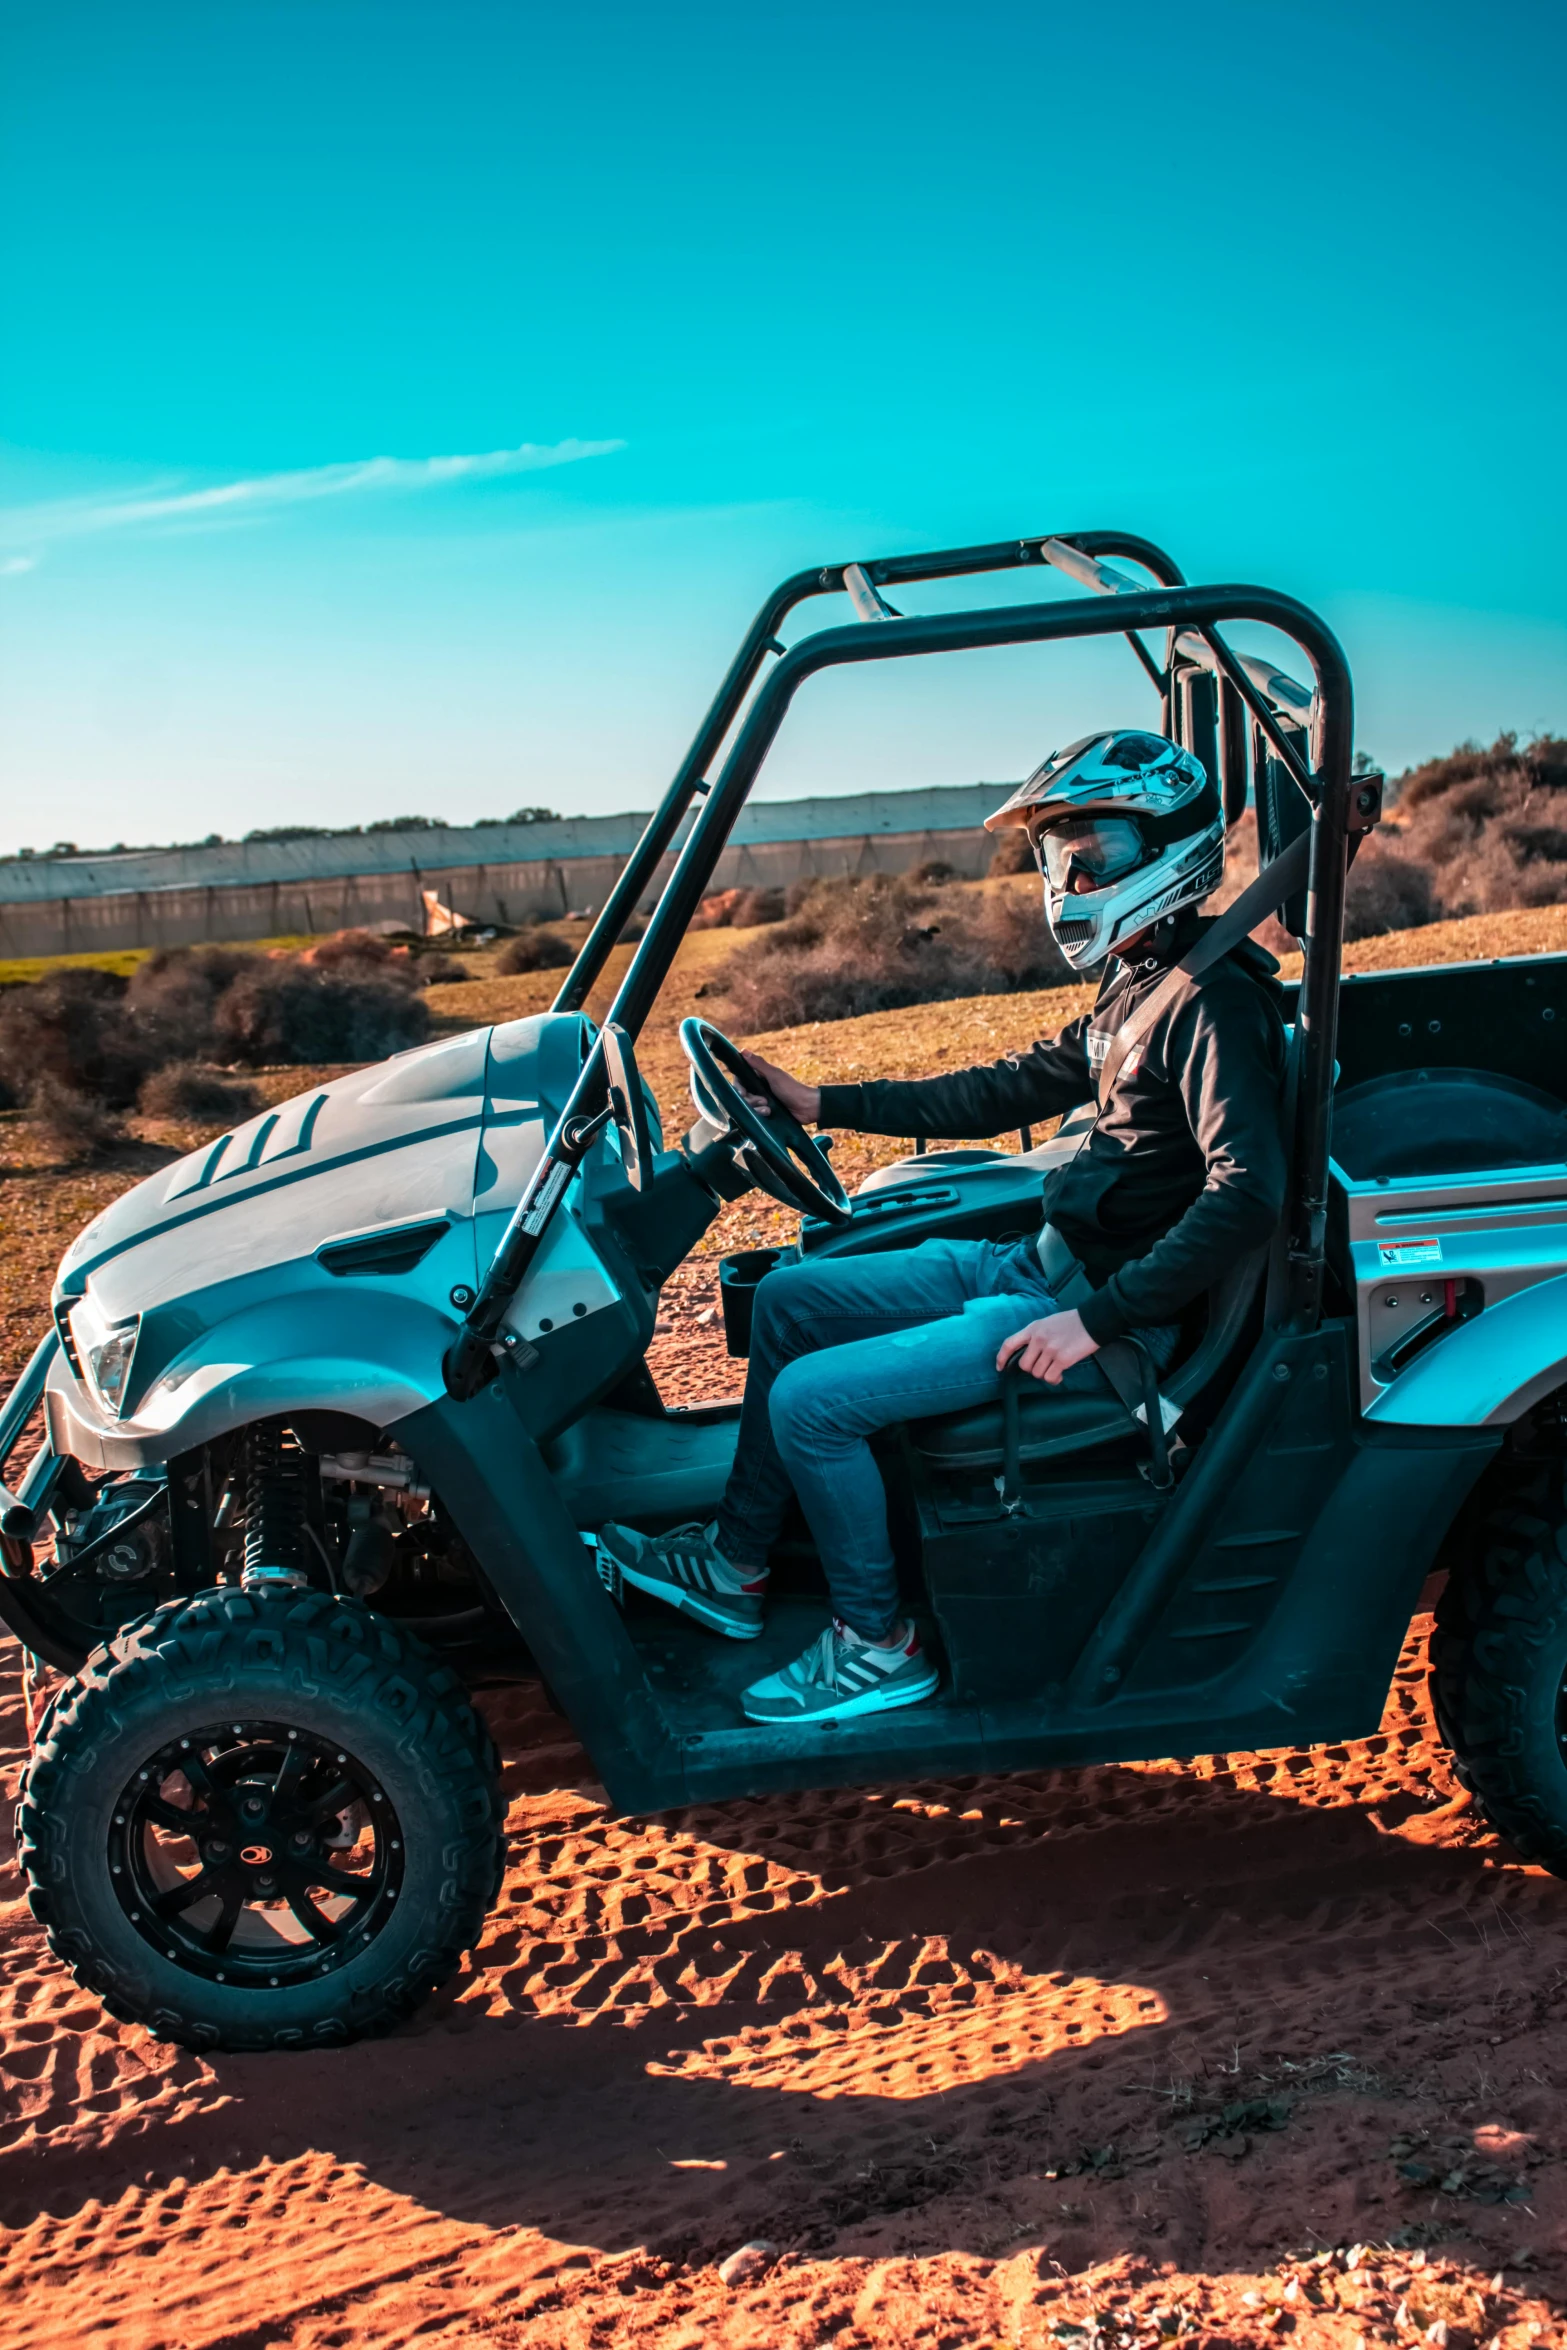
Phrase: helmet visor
[1103,847]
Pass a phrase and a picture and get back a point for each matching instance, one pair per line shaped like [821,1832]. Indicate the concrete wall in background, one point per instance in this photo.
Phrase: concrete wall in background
[504,873]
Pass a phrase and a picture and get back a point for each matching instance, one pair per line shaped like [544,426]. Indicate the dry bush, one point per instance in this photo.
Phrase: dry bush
[871,944]
[933,871]
[537,948]
[360,951]
[184,1089]
[1388,890]
[740,909]
[1014,938]
[292,1012]
[440,971]
[74,1125]
[173,998]
[74,1030]
[1491,825]
[1012,853]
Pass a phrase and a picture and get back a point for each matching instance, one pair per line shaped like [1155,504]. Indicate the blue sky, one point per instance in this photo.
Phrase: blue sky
[404,407]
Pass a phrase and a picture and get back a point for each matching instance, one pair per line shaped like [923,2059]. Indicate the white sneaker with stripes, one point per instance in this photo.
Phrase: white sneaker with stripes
[841,1676]
[686,1568]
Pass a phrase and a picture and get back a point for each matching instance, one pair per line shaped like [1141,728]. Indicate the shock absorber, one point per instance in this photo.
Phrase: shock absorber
[274,1510]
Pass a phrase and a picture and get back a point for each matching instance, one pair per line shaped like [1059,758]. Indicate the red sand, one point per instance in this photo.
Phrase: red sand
[963,2054]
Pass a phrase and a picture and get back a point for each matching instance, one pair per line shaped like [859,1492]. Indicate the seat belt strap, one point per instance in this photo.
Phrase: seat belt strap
[1123,1362]
[1272,886]
[1120,1361]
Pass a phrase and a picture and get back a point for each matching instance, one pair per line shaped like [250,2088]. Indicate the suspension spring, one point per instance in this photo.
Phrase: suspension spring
[274,1471]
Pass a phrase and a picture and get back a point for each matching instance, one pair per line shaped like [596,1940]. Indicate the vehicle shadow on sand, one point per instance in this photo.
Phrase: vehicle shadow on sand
[1092,2011]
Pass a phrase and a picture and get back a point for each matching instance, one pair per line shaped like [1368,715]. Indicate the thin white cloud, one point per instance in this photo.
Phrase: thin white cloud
[14,563]
[74,517]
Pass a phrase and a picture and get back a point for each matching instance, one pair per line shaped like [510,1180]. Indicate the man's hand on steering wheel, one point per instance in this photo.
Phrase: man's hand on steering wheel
[764,1111]
[801,1101]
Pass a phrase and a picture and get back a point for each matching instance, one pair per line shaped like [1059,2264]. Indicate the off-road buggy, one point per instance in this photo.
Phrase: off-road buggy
[334,1406]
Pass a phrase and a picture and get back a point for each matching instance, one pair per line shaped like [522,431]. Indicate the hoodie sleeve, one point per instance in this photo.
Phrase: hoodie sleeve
[1052,1077]
[1223,1049]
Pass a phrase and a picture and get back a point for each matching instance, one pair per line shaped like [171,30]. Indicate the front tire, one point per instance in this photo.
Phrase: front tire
[262,1822]
[1499,1675]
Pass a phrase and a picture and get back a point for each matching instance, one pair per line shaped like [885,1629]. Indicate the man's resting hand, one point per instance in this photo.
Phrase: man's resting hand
[802,1101]
[1048,1347]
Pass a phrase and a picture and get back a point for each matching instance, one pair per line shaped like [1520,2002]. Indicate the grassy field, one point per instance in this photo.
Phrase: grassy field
[22,970]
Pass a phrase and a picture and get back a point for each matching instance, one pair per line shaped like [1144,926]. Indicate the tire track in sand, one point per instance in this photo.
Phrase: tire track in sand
[901,2034]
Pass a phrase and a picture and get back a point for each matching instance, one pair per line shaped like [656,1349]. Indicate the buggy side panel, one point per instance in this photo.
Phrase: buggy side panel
[1268,1614]
[508,1509]
[1489,1371]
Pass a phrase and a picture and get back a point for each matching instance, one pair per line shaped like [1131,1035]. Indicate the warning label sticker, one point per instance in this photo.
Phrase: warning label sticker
[1409,1252]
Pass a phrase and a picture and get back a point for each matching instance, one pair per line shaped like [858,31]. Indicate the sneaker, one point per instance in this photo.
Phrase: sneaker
[839,1676]
[686,1568]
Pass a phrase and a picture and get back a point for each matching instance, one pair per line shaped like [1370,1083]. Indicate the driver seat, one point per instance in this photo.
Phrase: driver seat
[1052,1422]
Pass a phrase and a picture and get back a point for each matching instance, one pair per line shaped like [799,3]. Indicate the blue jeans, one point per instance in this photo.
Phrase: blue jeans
[844,1346]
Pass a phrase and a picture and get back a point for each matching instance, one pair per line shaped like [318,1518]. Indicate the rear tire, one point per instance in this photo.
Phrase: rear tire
[1499,1674]
[344,1839]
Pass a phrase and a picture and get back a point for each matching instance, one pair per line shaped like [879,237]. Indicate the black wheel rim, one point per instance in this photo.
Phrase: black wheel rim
[256,1853]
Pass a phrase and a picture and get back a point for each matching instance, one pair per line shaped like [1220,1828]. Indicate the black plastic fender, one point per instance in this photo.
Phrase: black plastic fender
[492,1479]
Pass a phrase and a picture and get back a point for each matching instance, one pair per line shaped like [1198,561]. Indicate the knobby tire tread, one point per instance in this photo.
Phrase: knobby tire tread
[1497,1655]
[308,1642]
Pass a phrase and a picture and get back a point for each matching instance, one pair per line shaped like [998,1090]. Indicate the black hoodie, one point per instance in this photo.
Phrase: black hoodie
[1184,1170]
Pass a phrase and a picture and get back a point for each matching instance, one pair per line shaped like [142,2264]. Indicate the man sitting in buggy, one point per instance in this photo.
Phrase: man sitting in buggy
[1182,1174]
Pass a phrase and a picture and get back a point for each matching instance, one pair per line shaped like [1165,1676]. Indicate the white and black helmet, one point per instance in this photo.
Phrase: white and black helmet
[1136,817]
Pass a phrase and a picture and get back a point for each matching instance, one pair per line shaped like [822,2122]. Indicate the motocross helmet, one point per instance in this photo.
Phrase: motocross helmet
[1126,828]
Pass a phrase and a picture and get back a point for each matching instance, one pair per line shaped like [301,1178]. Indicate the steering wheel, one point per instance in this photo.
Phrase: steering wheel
[778,1154]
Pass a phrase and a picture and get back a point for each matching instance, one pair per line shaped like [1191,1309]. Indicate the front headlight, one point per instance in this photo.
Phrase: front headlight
[106,1354]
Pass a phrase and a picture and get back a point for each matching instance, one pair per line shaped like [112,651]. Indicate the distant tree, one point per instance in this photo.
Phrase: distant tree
[406,824]
[279,832]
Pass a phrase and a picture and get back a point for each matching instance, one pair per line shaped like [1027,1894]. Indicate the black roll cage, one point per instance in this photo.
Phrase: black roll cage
[1318,757]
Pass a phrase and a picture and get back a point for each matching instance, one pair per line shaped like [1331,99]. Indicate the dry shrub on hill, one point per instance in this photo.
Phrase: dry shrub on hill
[873,944]
[361,954]
[1388,889]
[740,909]
[360,951]
[83,1040]
[440,971]
[538,948]
[1491,824]
[1012,853]
[292,1012]
[74,1029]
[75,1126]
[1483,831]
[186,1090]
[173,998]
[349,998]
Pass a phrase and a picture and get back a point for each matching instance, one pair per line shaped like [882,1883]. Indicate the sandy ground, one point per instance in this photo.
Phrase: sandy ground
[1216,2051]
[1143,2051]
